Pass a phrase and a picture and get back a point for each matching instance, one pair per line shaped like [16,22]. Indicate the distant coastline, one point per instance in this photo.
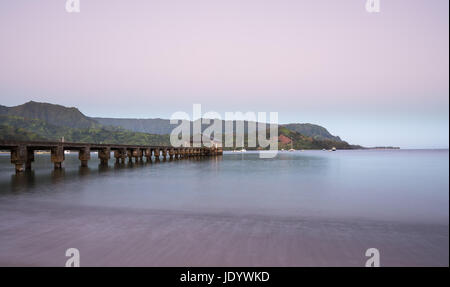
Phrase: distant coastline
[383,147]
[34,121]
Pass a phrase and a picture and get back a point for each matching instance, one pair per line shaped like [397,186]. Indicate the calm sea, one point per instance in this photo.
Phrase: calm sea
[393,185]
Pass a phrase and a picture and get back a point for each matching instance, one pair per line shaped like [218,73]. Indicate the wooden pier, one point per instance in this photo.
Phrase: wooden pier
[22,153]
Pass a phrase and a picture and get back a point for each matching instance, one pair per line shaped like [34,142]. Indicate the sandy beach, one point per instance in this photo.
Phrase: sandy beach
[37,234]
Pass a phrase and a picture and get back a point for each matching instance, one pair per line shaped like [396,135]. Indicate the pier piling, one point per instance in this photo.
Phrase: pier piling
[57,156]
[104,155]
[84,155]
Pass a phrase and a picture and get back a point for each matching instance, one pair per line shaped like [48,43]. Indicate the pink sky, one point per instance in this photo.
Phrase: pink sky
[373,79]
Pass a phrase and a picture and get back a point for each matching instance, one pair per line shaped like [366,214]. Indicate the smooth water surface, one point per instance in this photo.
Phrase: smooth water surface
[392,185]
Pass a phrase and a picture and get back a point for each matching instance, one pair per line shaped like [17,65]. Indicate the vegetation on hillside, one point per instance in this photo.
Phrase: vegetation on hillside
[52,114]
[19,128]
[300,141]
[296,141]
[49,122]
[314,131]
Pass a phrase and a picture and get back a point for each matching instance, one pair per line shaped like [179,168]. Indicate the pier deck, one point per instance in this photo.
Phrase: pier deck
[22,152]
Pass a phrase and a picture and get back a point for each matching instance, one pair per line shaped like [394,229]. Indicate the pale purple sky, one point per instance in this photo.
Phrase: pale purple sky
[373,79]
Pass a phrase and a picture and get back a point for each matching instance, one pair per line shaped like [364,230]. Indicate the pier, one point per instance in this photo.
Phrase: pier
[22,153]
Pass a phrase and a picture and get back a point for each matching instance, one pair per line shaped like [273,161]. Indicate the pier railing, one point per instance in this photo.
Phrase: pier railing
[22,152]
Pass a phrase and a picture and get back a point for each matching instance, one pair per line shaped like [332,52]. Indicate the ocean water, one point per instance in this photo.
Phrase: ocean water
[392,185]
[391,189]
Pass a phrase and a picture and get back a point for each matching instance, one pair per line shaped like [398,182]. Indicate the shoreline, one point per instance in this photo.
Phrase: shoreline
[38,234]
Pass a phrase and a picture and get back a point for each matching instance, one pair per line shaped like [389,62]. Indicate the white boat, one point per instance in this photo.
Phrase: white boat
[67,152]
[291,149]
[243,150]
[333,149]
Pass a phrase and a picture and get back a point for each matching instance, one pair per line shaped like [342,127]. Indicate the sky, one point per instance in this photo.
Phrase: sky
[374,79]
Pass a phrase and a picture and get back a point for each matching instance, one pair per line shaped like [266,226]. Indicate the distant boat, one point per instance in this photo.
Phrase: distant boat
[333,149]
[67,152]
[243,150]
[291,149]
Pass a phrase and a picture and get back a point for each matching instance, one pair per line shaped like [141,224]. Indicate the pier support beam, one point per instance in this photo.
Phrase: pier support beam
[171,153]
[156,153]
[84,155]
[137,154]
[57,156]
[148,154]
[19,157]
[104,155]
[175,153]
[130,155]
[120,155]
[30,159]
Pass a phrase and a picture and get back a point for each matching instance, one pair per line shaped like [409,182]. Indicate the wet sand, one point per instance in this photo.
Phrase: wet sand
[34,233]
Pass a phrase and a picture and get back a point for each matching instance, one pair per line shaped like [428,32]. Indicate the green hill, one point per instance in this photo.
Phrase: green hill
[163,126]
[19,128]
[315,131]
[300,141]
[53,114]
[44,121]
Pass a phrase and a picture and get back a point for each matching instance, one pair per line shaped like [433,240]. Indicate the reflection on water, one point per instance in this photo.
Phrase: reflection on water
[23,180]
[386,185]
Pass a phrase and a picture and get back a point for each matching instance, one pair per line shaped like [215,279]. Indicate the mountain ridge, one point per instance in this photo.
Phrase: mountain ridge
[163,126]
[45,120]
[57,115]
